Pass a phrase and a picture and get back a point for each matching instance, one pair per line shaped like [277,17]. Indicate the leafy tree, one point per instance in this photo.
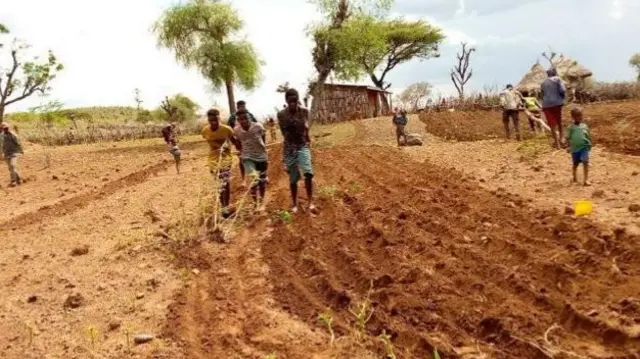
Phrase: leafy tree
[204,34]
[50,113]
[178,108]
[414,94]
[634,62]
[374,47]
[24,78]
[327,35]
[461,72]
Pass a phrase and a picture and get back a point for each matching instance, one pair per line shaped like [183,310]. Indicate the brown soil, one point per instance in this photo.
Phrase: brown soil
[615,126]
[451,266]
[463,247]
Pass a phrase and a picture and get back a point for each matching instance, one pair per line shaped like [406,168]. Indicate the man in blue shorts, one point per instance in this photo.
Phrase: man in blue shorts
[294,125]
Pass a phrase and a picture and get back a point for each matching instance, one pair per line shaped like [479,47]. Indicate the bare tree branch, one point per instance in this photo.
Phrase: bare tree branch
[461,72]
[9,85]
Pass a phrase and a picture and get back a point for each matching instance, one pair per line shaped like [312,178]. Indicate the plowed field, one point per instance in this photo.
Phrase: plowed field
[615,126]
[463,247]
[447,265]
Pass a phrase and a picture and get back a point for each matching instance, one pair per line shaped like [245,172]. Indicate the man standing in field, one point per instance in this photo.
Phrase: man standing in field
[11,149]
[219,136]
[294,125]
[253,153]
[400,121]
[510,101]
[553,94]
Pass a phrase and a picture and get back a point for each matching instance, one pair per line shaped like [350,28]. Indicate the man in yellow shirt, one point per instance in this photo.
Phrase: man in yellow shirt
[220,159]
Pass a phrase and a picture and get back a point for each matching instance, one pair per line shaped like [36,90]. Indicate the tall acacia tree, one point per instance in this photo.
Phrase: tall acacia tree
[205,34]
[376,46]
[24,78]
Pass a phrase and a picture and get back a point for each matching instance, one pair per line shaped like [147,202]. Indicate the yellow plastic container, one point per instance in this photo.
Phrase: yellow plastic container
[583,208]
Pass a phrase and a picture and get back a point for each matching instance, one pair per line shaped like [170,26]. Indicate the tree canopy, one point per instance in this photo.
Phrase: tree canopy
[24,77]
[326,35]
[634,62]
[413,95]
[205,34]
[370,46]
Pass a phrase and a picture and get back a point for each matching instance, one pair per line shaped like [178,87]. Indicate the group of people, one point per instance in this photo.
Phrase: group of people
[552,93]
[248,136]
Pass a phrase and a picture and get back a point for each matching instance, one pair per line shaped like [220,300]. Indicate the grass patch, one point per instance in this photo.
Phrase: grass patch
[326,136]
[533,148]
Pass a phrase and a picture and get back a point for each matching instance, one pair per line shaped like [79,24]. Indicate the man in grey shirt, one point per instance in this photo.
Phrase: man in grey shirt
[553,93]
[253,154]
[11,149]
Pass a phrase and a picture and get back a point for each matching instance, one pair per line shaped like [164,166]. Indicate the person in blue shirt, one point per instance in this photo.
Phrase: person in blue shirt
[553,92]
[400,121]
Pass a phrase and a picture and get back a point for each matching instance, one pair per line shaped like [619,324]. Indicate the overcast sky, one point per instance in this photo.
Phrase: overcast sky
[108,49]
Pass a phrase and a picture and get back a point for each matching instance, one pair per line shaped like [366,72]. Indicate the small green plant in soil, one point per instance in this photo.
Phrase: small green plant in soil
[285,217]
[326,319]
[388,345]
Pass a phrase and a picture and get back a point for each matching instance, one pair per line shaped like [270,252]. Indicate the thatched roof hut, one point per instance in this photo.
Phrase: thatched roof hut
[568,69]
[532,80]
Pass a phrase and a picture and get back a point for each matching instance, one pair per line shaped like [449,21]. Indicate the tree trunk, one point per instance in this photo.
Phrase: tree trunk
[231,97]
[386,107]
[317,93]
[1,113]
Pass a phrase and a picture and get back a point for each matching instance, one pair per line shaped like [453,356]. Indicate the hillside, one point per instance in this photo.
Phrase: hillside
[101,114]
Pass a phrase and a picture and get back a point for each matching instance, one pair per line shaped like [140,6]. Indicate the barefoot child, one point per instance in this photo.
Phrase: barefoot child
[579,144]
[253,154]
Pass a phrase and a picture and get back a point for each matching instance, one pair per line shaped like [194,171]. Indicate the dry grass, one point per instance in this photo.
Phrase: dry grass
[331,135]
[603,91]
[55,136]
